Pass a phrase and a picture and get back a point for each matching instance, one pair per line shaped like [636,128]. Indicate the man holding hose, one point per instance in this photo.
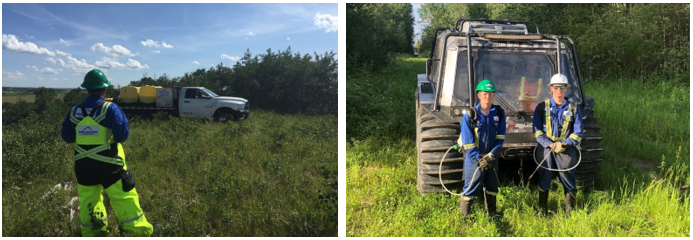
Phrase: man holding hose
[482,133]
[558,129]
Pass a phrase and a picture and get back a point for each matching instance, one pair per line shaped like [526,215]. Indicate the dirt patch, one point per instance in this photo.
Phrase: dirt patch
[647,165]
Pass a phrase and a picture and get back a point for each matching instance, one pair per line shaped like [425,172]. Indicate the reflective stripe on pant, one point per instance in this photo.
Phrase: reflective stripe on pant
[485,180]
[562,160]
[127,208]
[125,204]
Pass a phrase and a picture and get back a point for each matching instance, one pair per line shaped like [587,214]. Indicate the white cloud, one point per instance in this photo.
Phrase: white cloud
[326,21]
[288,39]
[64,42]
[152,43]
[196,62]
[157,51]
[116,50]
[132,64]
[10,42]
[235,59]
[165,45]
[40,78]
[45,70]
[14,76]
[78,66]
[251,33]
[109,63]
[149,43]
[61,53]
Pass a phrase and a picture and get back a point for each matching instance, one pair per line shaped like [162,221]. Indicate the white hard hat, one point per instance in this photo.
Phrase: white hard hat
[559,79]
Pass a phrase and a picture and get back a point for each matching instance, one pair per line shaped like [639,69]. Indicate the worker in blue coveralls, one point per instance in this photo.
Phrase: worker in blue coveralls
[98,128]
[558,129]
[482,133]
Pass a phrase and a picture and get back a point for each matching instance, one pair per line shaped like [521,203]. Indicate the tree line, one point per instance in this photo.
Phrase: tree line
[620,40]
[281,81]
[376,32]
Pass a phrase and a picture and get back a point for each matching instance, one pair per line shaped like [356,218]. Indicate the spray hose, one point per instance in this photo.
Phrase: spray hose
[534,156]
[440,170]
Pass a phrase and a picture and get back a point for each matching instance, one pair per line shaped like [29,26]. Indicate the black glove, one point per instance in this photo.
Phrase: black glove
[486,162]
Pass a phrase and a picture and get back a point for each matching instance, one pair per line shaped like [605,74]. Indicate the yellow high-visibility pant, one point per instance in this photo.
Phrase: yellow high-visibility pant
[125,204]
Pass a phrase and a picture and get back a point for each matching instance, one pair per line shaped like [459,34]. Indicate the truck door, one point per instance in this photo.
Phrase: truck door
[193,103]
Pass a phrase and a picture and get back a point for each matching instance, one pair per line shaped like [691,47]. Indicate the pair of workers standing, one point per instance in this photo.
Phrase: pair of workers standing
[557,129]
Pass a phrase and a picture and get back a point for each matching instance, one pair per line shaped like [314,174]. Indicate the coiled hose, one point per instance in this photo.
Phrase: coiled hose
[534,156]
[440,170]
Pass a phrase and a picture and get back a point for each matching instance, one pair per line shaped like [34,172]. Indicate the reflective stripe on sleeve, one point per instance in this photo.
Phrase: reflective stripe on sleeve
[576,137]
[469,146]
[500,136]
[538,133]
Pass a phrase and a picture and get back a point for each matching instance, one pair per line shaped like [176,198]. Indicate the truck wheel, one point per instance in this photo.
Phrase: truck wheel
[591,149]
[223,115]
[433,139]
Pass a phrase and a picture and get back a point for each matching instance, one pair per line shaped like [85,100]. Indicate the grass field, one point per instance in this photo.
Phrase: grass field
[13,97]
[639,191]
[270,175]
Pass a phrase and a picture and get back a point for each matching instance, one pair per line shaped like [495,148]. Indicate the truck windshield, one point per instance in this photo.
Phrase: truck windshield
[521,78]
[210,93]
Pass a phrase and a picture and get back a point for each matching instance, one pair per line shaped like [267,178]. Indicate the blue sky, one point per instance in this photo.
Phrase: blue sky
[54,45]
[417,21]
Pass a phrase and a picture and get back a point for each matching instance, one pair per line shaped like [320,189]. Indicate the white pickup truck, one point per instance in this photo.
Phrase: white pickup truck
[195,102]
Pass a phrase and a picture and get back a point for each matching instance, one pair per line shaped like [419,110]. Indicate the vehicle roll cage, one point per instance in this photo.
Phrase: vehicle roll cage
[458,31]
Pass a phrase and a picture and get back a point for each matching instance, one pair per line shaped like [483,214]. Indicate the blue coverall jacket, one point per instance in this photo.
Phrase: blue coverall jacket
[490,134]
[571,137]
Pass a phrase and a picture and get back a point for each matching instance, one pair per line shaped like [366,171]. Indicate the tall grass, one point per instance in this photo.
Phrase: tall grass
[270,175]
[645,120]
[382,199]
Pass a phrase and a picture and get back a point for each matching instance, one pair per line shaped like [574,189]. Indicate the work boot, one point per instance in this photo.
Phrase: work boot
[570,197]
[491,204]
[543,202]
[465,206]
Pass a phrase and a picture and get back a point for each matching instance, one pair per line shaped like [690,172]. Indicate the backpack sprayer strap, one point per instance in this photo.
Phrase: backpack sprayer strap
[93,110]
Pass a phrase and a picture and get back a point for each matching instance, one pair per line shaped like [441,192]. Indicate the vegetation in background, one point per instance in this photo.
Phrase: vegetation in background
[626,41]
[377,31]
[284,82]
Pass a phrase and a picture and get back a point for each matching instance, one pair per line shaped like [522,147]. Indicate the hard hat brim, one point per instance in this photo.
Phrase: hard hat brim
[100,86]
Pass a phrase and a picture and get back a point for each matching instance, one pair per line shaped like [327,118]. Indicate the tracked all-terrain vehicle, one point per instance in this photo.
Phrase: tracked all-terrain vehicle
[520,64]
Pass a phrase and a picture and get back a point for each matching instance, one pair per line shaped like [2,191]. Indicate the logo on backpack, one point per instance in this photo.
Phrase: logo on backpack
[88,131]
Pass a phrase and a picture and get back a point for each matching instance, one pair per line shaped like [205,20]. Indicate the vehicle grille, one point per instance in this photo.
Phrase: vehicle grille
[426,88]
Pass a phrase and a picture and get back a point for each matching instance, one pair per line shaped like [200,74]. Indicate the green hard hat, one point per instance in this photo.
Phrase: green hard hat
[486,86]
[95,79]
